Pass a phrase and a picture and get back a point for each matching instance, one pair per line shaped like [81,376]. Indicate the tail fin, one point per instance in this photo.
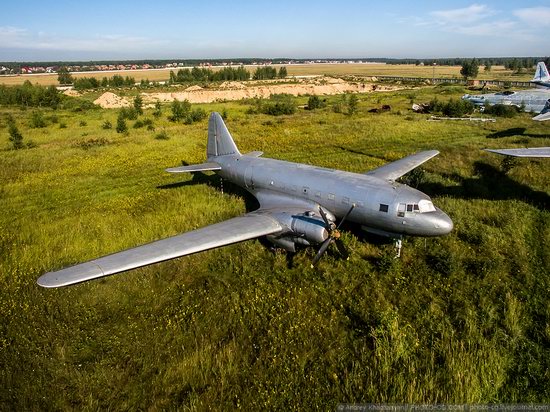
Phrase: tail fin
[220,142]
[541,74]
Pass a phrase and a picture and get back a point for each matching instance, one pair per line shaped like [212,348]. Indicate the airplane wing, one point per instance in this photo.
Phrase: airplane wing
[542,117]
[234,230]
[396,169]
[528,152]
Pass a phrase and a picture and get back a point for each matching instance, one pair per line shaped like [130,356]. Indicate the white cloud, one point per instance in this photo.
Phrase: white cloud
[536,16]
[13,37]
[469,14]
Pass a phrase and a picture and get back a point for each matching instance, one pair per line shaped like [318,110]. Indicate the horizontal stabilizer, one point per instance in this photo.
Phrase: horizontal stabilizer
[254,154]
[203,167]
[395,170]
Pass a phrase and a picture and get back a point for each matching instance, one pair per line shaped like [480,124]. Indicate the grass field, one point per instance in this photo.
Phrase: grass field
[405,70]
[459,319]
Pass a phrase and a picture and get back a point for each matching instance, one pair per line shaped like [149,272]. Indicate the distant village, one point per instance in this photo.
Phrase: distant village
[36,69]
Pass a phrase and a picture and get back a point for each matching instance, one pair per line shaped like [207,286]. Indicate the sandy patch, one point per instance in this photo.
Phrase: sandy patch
[238,91]
[110,100]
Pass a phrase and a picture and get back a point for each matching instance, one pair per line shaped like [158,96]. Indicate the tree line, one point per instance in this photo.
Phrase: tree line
[28,94]
[83,83]
[198,74]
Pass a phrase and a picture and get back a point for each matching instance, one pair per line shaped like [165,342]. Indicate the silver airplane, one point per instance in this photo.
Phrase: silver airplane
[541,78]
[299,205]
[536,100]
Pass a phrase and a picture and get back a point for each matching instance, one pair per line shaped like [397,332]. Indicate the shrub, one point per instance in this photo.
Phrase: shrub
[314,102]
[502,110]
[16,138]
[106,125]
[162,136]
[37,120]
[121,126]
[83,123]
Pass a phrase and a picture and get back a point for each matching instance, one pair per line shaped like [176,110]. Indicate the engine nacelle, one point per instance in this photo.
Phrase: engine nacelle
[305,229]
[310,228]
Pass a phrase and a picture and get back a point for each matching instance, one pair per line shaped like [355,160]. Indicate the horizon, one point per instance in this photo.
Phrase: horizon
[41,32]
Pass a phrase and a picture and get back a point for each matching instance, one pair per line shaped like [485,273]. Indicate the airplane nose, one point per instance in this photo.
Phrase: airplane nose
[442,222]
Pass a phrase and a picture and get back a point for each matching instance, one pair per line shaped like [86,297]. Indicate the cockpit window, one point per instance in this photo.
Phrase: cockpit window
[425,206]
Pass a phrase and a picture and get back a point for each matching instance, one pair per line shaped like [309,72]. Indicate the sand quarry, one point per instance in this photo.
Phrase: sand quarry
[238,91]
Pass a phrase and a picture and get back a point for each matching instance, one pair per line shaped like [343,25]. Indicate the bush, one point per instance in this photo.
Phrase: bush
[453,108]
[121,126]
[37,120]
[162,136]
[180,110]
[129,113]
[106,125]
[16,138]
[83,123]
[502,110]
[314,102]
[195,116]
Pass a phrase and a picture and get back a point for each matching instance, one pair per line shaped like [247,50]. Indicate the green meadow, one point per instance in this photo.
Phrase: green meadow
[458,319]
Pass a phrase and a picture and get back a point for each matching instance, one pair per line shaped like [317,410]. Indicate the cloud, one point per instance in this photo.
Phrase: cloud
[465,15]
[13,37]
[535,16]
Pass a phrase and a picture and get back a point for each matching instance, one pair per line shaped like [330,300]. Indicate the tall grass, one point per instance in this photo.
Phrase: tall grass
[463,318]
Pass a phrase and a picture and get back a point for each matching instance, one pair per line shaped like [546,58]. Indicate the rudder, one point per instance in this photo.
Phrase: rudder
[220,142]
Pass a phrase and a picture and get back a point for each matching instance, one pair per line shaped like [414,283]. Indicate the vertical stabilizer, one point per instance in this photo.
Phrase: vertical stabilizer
[220,142]
[541,74]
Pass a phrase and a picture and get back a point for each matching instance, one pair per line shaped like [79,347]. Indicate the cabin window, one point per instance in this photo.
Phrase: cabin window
[331,196]
[409,208]
[305,190]
[317,194]
[383,208]
[294,188]
[401,209]
[345,200]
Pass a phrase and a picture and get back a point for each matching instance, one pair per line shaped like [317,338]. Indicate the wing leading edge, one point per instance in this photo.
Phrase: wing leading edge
[395,170]
[238,229]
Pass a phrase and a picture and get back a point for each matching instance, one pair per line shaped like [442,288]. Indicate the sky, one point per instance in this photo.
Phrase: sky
[117,30]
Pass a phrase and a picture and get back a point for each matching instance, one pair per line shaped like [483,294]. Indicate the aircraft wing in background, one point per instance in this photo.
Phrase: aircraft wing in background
[238,229]
[395,170]
[527,152]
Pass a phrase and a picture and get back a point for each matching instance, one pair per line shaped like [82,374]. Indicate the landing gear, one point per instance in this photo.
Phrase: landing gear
[398,246]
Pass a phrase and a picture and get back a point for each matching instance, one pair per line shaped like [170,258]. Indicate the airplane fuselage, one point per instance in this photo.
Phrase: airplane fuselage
[380,206]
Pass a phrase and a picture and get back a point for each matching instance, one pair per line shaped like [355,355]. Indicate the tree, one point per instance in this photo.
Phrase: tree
[352,104]
[180,110]
[314,102]
[487,67]
[121,126]
[469,68]
[16,138]
[138,104]
[158,110]
[282,72]
[64,76]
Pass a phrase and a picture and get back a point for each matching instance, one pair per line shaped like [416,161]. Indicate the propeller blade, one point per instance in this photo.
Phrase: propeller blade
[321,251]
[324,216]
[342,249]
[345,216]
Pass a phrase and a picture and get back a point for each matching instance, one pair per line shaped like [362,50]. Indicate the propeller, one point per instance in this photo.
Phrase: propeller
[333,236]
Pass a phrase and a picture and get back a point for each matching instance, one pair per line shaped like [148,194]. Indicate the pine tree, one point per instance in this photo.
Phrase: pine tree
[16,138]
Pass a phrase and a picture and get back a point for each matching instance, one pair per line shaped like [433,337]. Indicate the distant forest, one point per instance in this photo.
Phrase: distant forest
[524,62]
